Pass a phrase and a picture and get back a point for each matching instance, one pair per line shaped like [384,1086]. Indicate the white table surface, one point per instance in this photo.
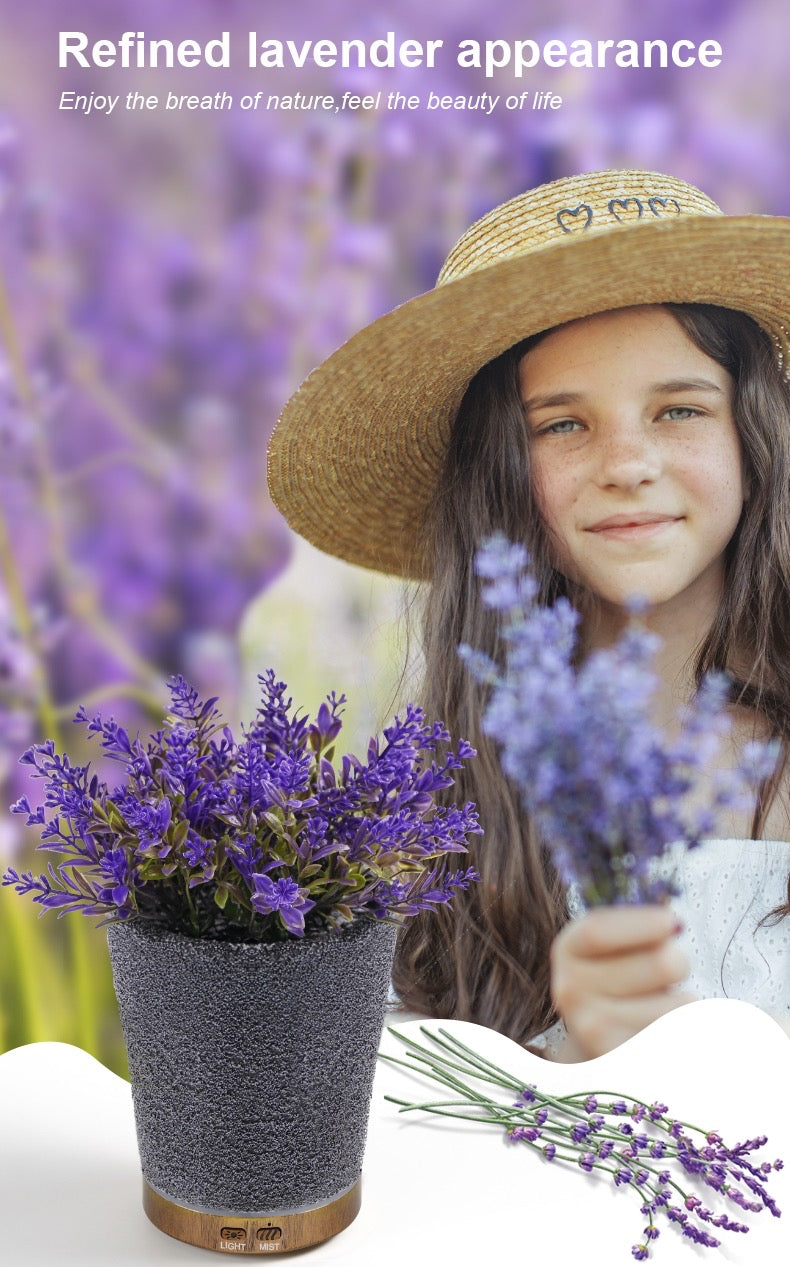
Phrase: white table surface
[434,1191]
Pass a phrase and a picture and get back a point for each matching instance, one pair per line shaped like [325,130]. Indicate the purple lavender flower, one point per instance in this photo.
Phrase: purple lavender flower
[256,839]
[550,1125]
[608,791]
[114,867]
[529,1134]
[283,896]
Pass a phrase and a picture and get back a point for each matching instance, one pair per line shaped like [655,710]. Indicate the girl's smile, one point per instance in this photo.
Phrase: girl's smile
[633,527]
[635,455]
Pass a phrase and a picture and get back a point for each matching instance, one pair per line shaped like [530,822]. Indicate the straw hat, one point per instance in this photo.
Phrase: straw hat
[355,458]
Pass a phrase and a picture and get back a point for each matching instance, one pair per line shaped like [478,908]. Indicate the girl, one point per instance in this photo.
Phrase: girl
[598,374]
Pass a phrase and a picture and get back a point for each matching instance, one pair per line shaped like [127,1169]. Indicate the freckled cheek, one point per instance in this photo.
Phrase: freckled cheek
[717,480]
[555,496]
[544,496]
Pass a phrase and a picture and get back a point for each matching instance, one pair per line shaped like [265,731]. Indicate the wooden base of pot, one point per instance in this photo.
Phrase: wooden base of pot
[260,1234]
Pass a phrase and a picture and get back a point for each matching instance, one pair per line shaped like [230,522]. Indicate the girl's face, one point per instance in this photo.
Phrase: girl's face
[635,454]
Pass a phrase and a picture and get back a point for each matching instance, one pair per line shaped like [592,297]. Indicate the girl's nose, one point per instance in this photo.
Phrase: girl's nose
[628,456]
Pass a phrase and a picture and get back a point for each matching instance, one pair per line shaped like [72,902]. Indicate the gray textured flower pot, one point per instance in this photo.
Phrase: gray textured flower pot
[251,1070]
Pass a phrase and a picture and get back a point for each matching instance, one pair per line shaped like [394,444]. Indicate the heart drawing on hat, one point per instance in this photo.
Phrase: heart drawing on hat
[653,203]
[626,207]
[572,214]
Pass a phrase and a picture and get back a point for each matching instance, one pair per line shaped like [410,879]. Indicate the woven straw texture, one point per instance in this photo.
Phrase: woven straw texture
[355,458]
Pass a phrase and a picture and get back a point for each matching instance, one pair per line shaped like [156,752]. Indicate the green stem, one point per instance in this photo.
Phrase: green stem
[30,1016]
[109,461]
[20,608]
[23,618]
[435,1061]
[507,1080]
[438,1108]
[191,907]
[152,703]
[497,1076]
[82,981]
[117,412]
[439,1074]
[27,397]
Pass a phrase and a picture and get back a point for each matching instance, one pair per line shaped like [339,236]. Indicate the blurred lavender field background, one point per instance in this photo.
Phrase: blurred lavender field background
[167,279]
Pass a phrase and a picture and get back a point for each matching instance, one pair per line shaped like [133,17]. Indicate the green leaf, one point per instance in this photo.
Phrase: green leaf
[178,834]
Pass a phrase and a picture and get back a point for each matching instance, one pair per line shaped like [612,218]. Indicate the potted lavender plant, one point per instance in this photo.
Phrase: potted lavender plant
[252,892]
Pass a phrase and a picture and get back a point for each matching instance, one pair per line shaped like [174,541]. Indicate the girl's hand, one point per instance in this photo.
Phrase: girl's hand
[612,973]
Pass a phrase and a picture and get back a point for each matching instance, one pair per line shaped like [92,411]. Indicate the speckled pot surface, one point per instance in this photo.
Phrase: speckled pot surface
[251,1065]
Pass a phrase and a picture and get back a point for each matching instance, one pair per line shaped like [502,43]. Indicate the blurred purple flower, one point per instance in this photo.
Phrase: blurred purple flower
[608,791]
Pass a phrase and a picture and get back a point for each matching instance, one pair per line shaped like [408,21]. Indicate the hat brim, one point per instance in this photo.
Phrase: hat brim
[355,458]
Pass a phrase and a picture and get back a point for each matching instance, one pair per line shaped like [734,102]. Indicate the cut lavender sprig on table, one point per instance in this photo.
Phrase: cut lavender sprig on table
[636,1145]
[607,789]
[255,840]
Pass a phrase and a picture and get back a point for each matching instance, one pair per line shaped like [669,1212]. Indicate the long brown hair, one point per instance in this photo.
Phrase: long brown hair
[486,959]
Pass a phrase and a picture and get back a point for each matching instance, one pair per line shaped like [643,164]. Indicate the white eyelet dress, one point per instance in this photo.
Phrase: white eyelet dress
[727,888]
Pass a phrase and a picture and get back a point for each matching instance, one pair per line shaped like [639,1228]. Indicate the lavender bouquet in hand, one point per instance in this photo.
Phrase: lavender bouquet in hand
[256,840]
[606,788]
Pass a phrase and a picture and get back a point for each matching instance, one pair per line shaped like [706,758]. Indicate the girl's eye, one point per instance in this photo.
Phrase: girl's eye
[561,428]
[679,413]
